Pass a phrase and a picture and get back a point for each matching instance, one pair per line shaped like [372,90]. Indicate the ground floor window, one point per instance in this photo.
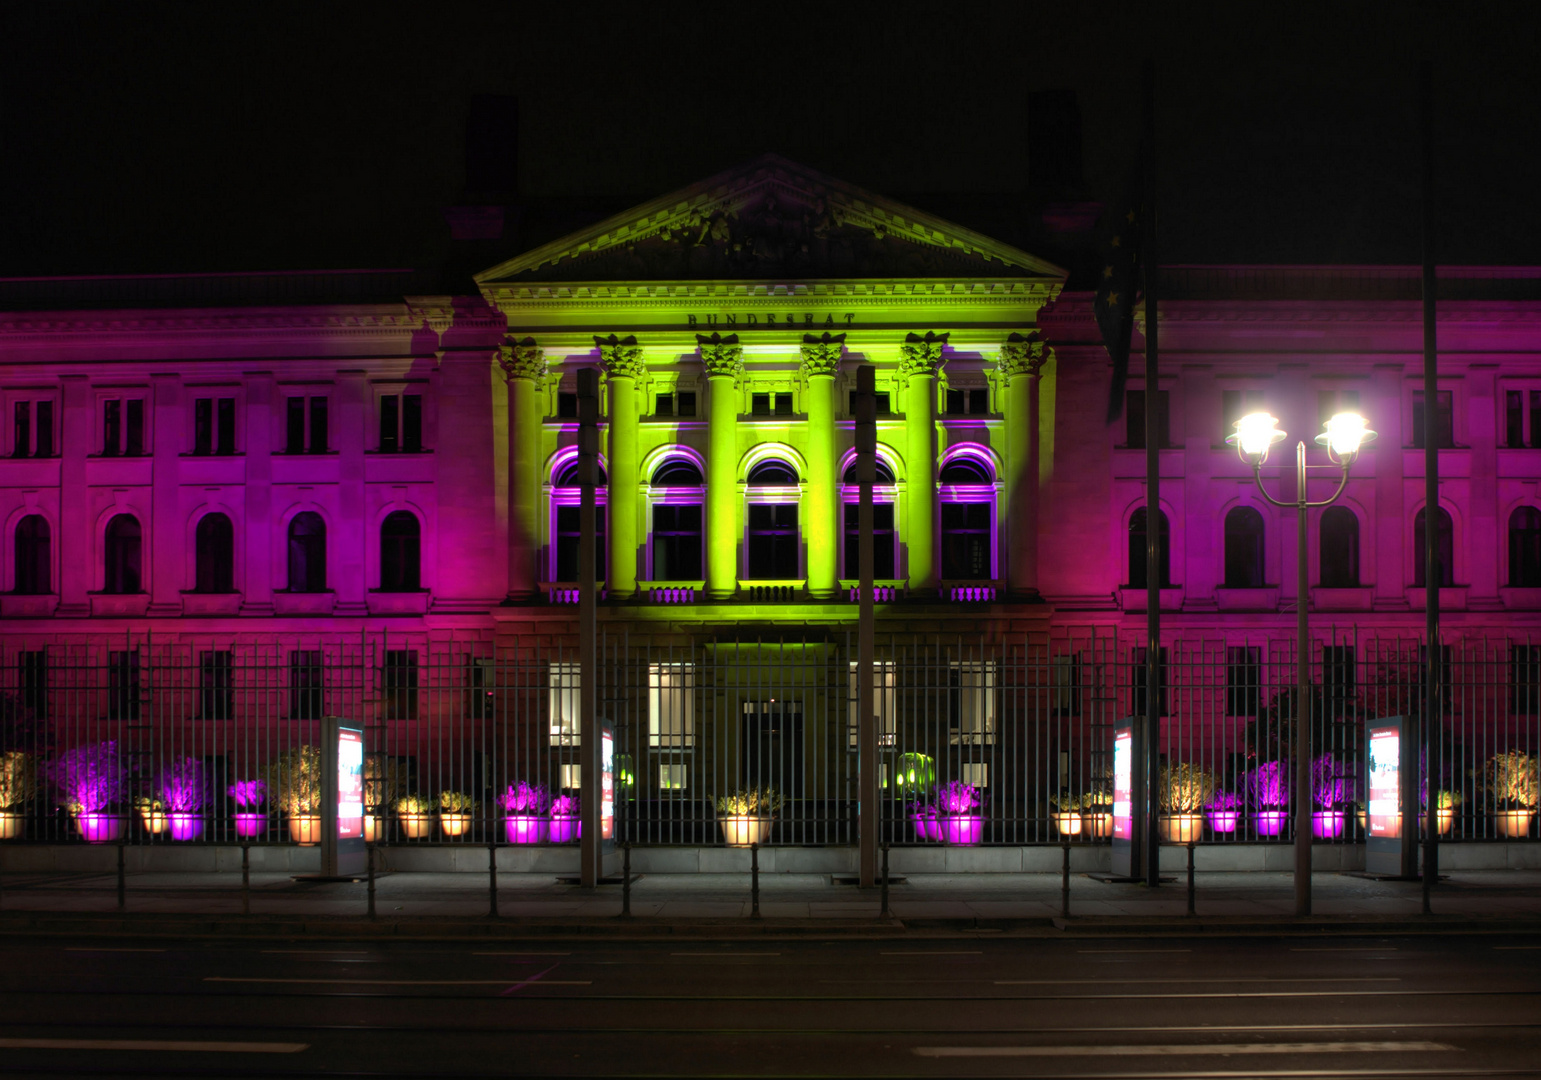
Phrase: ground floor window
[677,542]
[971,701]
[885,708]
[671,705]
[966,541]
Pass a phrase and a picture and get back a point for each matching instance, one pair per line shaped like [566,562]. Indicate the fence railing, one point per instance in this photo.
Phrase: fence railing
[983,738]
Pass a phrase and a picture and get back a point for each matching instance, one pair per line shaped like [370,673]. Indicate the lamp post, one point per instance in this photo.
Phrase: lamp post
[1255,435]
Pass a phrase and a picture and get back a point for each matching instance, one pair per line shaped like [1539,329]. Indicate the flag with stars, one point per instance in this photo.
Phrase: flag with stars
[1118,278]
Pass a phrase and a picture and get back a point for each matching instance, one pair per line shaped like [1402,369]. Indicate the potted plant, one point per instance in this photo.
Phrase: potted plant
[1445,803]
[746,815]
[455,810]
[914,774]
[566,819]
[18,783]
[1332,791]
[152,811]
[249,818]
[1268,791]
[294,781]
[927,827]
[525,806]
[1181,792]
[957,810]
[91,780]
[185,792]
[1223,811]
[415,813]
[1067,812]
[1511,784]
[1097,811]
[381,783]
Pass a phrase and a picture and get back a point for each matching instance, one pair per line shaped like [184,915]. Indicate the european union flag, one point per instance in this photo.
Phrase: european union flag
[1117,280]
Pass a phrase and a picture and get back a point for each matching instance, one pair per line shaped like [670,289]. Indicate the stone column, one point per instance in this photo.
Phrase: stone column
[1022,357]
[349,541]
[261,531]
[76,536]
[920,359]
[723,359]
[167,553]
[622,358]
[525,365]
[821,528]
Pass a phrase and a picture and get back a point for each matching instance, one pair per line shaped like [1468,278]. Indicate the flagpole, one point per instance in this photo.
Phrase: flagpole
[1433,725]
[1153,436]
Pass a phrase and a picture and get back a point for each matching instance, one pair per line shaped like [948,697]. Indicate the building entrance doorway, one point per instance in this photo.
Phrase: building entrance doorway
[771,746]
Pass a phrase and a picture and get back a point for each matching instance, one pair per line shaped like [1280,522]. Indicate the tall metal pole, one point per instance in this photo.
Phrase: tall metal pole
[1434,702]
[1153,434]
[588,666]
[1302,696]
[869,820]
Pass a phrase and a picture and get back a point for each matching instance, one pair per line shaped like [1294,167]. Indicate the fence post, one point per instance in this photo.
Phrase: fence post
[492,879]
[122,883]
[1064,883]
[626,879]
[369,861]
[245,879]
[754,881]
[1190,877]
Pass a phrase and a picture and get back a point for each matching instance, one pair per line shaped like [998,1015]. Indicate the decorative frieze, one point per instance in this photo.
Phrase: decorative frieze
[721,355]
[1024,354]
[622,357]
[821,355]
[523,359]
[921,355]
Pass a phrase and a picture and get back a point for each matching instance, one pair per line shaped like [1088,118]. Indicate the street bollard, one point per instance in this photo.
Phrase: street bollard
[245,879]
[122,881]
[626,879]
[885,913]
[754,881]
[1190,877]
[1064,883]
[369,862]
[492,883]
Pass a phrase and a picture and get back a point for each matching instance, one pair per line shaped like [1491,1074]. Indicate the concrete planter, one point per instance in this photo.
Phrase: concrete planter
[741,830]
[1068,824]
[416,826]
[305,828]
[1513,823]
[455,824]
[1181,828]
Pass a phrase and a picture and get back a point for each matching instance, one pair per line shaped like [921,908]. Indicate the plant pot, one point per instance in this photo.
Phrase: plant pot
[374,829]
[416,826]
[1223,821]
[185,825]
[154,821]
[1327,824]
[1512,822]
[1364,819]
[1444,818]
[965,829]
[565,828]
[1068,824]
[526,829]
[1101,824]
[927,828]
[1271,822]
[250,823]
[455,824]
[10,825]
[1180,828]
[740,830]
[100,828]
[305,828]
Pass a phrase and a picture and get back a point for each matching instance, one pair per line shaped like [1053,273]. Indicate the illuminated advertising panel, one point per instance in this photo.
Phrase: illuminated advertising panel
[1123,799]
[1383,845]
[350,783]
[606,784]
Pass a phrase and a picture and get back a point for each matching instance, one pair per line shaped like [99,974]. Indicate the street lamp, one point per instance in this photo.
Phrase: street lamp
[1255,435]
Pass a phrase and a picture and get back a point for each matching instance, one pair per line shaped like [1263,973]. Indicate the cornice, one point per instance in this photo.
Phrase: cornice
[750,293]
[1343,311]
[395,320]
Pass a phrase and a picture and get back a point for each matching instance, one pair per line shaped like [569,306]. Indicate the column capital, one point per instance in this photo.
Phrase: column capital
[522,359]
[1024,355]
[821,355]
[721,355]
[622,357]
[921,355]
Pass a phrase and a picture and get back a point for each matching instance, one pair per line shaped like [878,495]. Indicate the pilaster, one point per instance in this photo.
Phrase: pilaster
[352,529]
[78,543]
[261,530]
[166,543]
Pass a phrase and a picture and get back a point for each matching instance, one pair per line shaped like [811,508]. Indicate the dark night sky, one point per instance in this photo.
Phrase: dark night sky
[156,137]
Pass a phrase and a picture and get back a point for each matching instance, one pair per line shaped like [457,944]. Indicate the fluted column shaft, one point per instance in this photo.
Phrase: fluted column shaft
[723,360]
[525,365]
[623,361]
[1021,359]
[821,529]
[921,359]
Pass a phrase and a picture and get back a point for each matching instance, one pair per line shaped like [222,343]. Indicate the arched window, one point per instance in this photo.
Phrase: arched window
[1137,550]
[967,521]
[881,473]
[123,544]
[772,473]
[676,548]
[33,557]
[400,551]
[1339,548]
[772,542]
[568,477]
[965,470]
[214,542]
[307,552]
[1443,560]
[885,546]
[1524,549]
[1243,549]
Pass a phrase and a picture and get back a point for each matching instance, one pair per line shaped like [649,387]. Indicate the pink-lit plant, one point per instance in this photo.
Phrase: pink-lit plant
[956,797]
[565,824]
[90,777]
[249,794]
[1268,786]
[1331,787]
[1224,810]
[524,799]
[567,806]
[183,786]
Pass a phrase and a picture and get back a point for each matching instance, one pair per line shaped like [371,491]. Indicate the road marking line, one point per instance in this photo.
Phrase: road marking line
[716,954]
[154,1044]
[385,982]
[521,954]
[1353,948]
[939,952]
[1166,982]
[1089,951]
[106,948]
[1179,1050]
[317,952]
[1515,948]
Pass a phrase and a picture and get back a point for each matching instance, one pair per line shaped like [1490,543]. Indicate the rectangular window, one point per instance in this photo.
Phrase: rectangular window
[305,685]
[1243,680]
[123,685]
[412,423]
[214,426]
[966,541]
[1134,420]
[671,706]
[398,685]
[664,405]
[882,541]
[563,683]
[1065,684]
[676,542]
[880,401]
[773,541]
[216,685]
[968,402]
[294,425]
[1522,418]
[567,406]
[21,429]
[783,404]
[203,426]
[975,774]
[885,703]
[1139,679]
[112,427]
[570,776]
[685,403]
[225,413]
[971,702]
[1444,434]
[319,433]
[44,443]
[122,427]
[567,537]
[1524,680]
[673,776]
[1234,404]
[759,404]
[479,687]
[303,437]
[390,423]
[133,428]
[1339,679]
[32,678]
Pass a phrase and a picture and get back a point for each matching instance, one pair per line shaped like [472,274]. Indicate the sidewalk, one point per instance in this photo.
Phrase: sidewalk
[438,903]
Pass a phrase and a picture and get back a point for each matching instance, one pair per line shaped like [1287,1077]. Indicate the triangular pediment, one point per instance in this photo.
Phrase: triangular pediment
[771,219]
